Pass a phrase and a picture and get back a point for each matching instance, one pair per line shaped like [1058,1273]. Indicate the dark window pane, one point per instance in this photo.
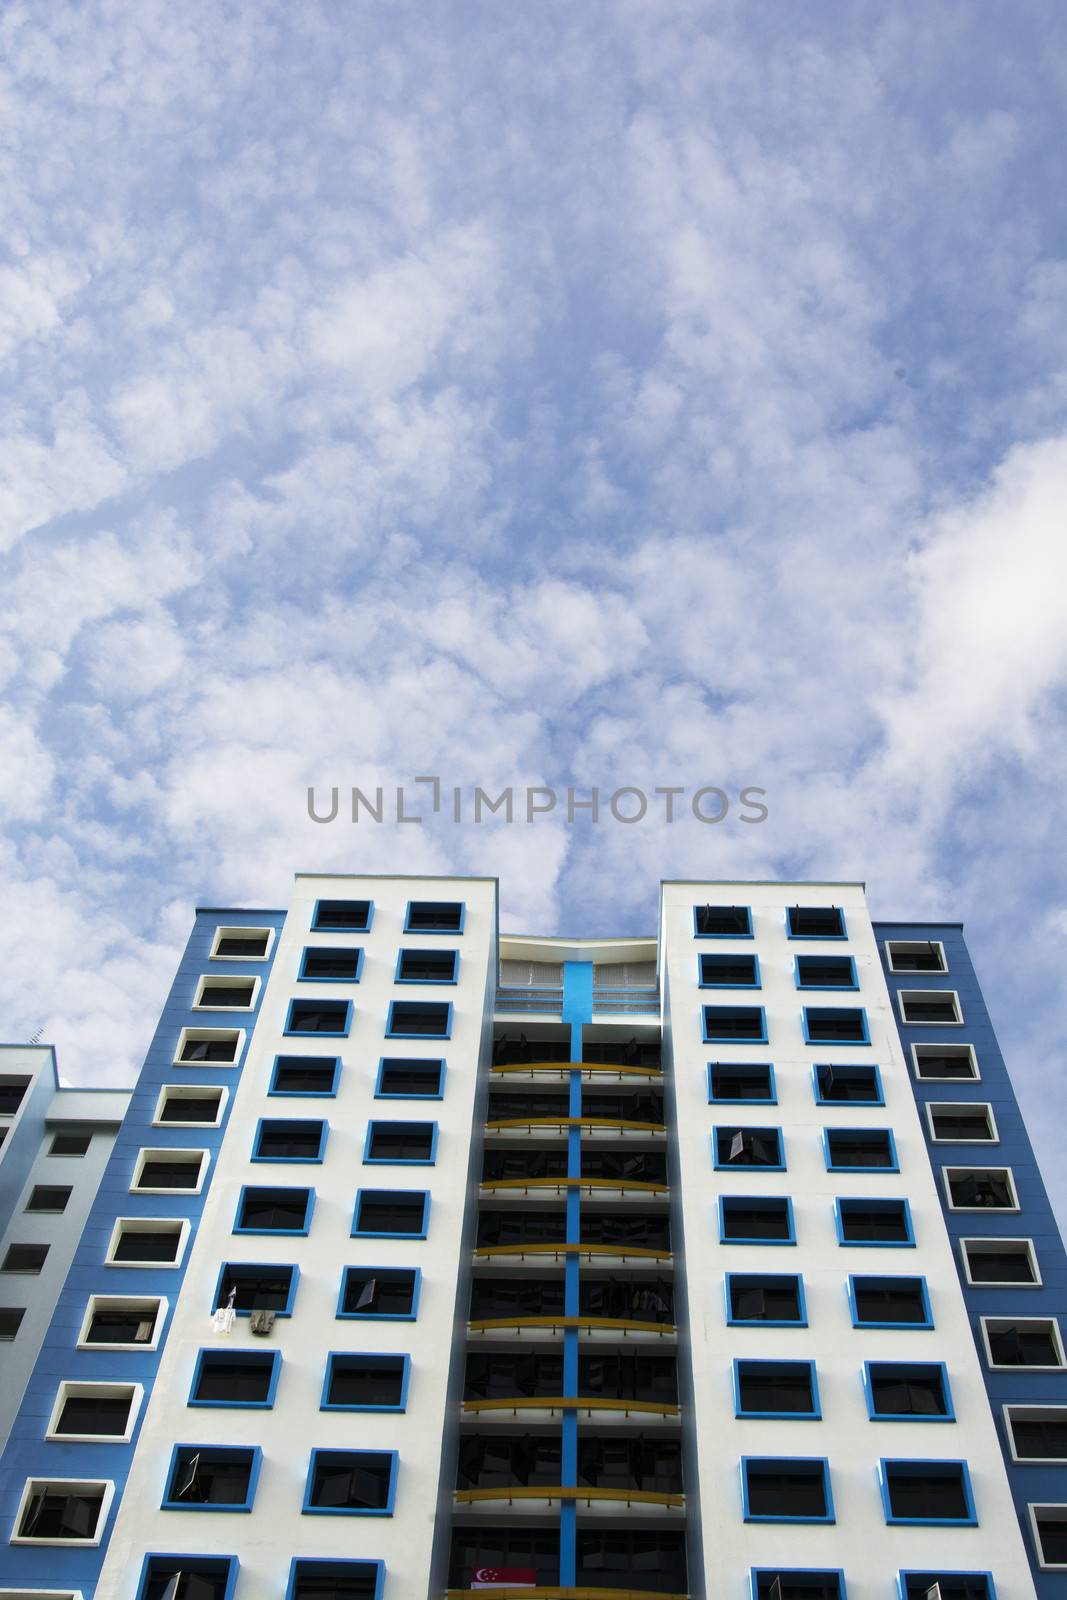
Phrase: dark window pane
[48,1197]
[733,1022]
[331,965]
[874,1221]
[304,1075]
[755,1219]
[915,1390]
[11,1320]
[348,916]
[318,1016]
[1023,1344]
[775,1386]
[258,1288]
[227,994]
[357,1480]
[872,1148]
[234,1379]
[154,1244]
[169,1175]
[251,946]
[276,1210]
[401,1141]
[11,1096]
[205,1477]
[816,922]
[95,1414]
[428,1018]
[748,1147]
[378,1291]
[926,1494]
[893,1300]
[1041,1438]
[427,966]
[836,1024]
[55,1512]
[764,1299]
[729,970]
[724,921]
[781,1488]
[1000,1266]
[24,1258]
[736,1082]
[825,972]
[388,1211]
[366,1381]
[435,916]
[70,1144]
[199,1578]
[410,1077]
[848,1083]
[289,1141]
[335,1580]
[123,1325]
[190,1108]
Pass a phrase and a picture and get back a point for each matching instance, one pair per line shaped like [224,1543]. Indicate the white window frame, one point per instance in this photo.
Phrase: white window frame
[189,1091]
[954,1045]
[929,994]
[148,1225]
[1031,1511]
[1025,1413]
[32,1485]
[41,1594]
[217,980]
[1000,1242]
[80,1389]
[124,1302]
[1017,1322]
[933,1106]
[1004,1172]
[914,944]
[194,1035]
[169,1155]
[228,932]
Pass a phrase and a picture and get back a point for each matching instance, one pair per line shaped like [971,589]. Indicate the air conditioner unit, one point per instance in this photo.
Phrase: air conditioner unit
[261,1322]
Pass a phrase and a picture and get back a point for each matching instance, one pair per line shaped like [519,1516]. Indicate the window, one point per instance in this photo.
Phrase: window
[722,922]
[815,922]
[120,1322]
[147,1242]
[226,994]
[874,1222]
[1048,1524]
[621,1558]
[735,1024]
[62,1511]
[776,1389]
[10,1321]
[825,972]
[1000,1261]
[341,916]
[915,955]
[235,1378]
[748,1147]
[400,1079]
[209,1047]
[327,1018]
[335,1580]
[392,1143]
[742,1083]
[70,1144]
[257,1286]
[949,1586]
[12,1093]
[333,964]
[212,1478]
[929,1007]
[962,1123]
[889,1302]
[351,1482]
[162,1171]
[775,1299]
[187,1577]
[786,1489]
[305,1075]
[860,1084]
[1037,1434]
[241,944]
[777,1583]
[729,972]
[980,1189]
[419,1019]
[28,1258]
[907,1391]
[274,1210]
[426,966]
[860,1150]
[379,1293]
[95,1412]
[535,1549]
[434,916]
[365,1382]
[931,1062]
[1033,1342]
[744,1220]
[835,1025]
[281,1139]
[201,1106]
[926,1491]
[391,1214]
[49,1197]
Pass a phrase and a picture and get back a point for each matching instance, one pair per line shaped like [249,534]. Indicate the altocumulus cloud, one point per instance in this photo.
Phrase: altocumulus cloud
[618,394]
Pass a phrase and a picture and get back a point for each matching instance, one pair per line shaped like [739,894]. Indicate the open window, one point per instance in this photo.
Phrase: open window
[927,1492]
[815,922]
[341,916]
[858,1083]
[256,1286]
[1023,1342]
[212,1478]
[434,916]
[805,1583]
[915,955]
[95,1413]
[351,1483]
[188,1577]
[722,922]
[781,1389]
[775,1299]
[980,1189]
[147,1242]
[1037,1435]
[995,1262]
[169,1170]
[272,1210]
[374,1294]
[62,1511]
[335,1580]
[748,1147]
[209,1047]
[226,994]
[907,1391]
[889,1302]
[122,1322]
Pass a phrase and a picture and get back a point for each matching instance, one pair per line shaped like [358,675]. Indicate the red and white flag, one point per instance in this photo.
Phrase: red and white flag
[490,1577]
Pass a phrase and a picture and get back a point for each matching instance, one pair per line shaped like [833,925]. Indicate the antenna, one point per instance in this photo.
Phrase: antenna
[37,1037]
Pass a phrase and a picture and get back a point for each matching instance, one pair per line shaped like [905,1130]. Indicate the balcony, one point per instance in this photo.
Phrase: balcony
[614,1387]
[525,1307]
[519,1234]
[544,1000]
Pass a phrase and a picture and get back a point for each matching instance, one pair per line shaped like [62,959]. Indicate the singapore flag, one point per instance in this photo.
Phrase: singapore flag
[518,1577]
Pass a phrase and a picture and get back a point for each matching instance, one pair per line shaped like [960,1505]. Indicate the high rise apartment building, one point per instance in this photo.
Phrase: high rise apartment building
[431,1262]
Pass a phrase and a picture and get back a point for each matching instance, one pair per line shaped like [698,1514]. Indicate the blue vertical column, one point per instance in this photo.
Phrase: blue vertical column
[577,1010]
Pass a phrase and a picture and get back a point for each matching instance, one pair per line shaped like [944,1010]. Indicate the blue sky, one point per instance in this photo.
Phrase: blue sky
[644,393]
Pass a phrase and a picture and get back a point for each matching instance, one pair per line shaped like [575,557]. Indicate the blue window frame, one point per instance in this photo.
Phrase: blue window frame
[860,1150]
[158,1570]
[305,1077]
[784,1390]
[837,1025]
[722,922]
[212,1477]
[342,916]
[319,1019]
[410,1078]
[435,916]
[391,1214]
[733,1147]
[928,1493]
[815,922]
[419,1019]
[825,972]
[237,1379]
[874,1223]
[913,1585]
[765,1299]
[379,1294]
[741,1083]
[351,1483]
[290,1139]
[907,1391]
[259,1286]
[797,1583]
[363,1580]
[786,1489]
[852,1083]
[365,1381]
[400,1144]
[268,1209]
[331,964]
[756,1219]
[735,1025]
[889,1302]
[729,971]
[427,966]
